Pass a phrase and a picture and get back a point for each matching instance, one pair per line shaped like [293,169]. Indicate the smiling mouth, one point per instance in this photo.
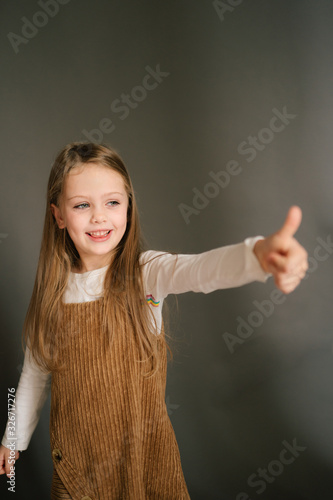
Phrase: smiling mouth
[99,234]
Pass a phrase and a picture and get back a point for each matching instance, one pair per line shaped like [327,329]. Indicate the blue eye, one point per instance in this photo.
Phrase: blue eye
[81,205]
[114,203]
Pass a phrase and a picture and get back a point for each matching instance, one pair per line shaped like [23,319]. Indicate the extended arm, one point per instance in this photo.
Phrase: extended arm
[225,267]
[231,266]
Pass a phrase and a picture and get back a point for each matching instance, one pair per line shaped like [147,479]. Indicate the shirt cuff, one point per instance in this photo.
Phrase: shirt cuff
[21,442]
[261,274]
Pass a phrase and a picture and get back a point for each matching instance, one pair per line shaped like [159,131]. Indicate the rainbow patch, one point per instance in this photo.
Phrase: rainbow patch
[151,300]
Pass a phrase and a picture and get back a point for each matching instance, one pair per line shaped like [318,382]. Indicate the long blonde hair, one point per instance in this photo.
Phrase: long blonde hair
[124,302]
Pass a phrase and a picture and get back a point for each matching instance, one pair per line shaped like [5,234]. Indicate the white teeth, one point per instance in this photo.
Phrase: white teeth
[99,233]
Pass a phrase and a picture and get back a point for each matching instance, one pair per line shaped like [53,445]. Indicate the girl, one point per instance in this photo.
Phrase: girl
[95,324]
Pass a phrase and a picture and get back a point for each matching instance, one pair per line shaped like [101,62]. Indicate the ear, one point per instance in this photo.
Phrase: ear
[57,215]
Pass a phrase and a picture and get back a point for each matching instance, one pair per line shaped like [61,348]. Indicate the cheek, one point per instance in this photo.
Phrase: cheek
[122,219]
[76,222]
[124,222]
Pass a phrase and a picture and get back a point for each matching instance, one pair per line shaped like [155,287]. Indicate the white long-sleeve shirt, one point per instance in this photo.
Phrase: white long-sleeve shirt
[225,267]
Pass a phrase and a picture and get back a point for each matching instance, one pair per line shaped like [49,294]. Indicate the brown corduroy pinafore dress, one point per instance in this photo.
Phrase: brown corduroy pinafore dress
[111,436]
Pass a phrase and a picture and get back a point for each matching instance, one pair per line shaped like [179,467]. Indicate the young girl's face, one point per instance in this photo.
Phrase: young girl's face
[94,211]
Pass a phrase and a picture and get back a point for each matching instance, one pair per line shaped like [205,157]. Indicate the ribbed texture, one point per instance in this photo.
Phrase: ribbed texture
[109,423]
[58,489]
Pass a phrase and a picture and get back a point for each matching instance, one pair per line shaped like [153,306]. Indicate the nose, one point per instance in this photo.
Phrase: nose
[98,216]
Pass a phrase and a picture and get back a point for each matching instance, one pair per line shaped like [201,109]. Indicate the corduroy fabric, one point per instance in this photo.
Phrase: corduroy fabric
[111,436]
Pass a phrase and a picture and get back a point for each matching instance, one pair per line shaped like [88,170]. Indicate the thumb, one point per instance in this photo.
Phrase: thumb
[292,222]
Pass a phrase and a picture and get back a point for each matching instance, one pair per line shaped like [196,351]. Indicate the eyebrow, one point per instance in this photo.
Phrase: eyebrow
[105,195]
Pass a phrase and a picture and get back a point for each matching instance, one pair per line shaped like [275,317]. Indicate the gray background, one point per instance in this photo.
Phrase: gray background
[231,411]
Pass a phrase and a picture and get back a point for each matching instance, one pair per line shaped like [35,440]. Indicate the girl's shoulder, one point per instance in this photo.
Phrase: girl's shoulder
[157,266]
[156,263]
[147,255]
[151,256]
